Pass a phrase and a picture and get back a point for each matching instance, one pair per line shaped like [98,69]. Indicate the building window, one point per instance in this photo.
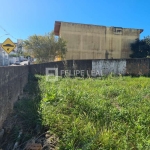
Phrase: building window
[117,31]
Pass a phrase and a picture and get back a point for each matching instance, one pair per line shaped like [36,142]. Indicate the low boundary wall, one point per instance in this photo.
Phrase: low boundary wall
[12,81]
[116,66]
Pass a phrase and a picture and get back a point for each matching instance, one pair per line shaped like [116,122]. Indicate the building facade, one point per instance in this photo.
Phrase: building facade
[96,42]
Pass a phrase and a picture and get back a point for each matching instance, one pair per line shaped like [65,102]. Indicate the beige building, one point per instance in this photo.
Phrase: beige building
[96,42]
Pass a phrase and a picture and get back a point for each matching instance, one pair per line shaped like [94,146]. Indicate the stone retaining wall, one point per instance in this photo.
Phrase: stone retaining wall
[12,81]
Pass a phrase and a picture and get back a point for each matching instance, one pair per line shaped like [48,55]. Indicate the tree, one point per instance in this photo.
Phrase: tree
[45,48]
[141,48]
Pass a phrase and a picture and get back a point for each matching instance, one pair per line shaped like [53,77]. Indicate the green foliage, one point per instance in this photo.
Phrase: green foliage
[27,111]
[92,114]
[13,55]
[141,48]
[45,48]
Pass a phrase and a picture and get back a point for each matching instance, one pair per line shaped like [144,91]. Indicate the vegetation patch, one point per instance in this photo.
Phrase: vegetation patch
[92,114]
[81,114]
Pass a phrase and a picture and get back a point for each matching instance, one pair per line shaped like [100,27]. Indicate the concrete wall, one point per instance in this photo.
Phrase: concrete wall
[12,81]
[138,66]
[96,42]
[68,65]
[116,66]
[106,67]
[122,66]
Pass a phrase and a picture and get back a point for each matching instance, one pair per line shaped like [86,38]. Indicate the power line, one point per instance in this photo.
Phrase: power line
[7,32]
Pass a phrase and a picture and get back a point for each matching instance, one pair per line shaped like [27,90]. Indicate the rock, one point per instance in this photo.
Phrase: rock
[1,133]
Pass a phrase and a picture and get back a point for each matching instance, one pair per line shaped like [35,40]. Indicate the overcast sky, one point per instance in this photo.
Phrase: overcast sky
[23,18]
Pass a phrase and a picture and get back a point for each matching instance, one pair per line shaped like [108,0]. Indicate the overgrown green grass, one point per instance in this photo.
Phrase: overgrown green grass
[95,114]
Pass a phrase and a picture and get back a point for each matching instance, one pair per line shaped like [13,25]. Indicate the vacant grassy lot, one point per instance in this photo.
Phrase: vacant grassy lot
[98,114]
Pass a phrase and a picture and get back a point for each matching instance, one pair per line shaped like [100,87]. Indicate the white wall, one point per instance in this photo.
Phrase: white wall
[106,67]
[13,59]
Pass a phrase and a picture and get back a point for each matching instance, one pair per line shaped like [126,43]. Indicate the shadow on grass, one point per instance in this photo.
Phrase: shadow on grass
[24,118]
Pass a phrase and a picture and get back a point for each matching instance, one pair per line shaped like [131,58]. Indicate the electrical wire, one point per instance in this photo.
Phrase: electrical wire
[7,32]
